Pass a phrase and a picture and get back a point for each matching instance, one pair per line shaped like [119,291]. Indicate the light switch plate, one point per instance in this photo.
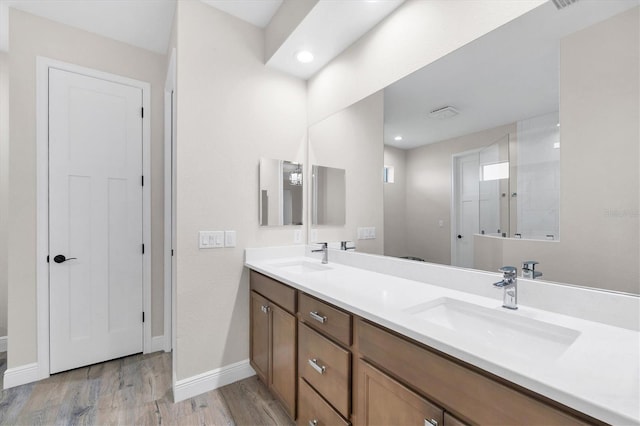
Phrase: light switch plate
[229,238]
[203,239]
[216,239]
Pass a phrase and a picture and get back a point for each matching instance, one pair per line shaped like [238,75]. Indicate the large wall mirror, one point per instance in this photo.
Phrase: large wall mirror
[522,145]
[280,193]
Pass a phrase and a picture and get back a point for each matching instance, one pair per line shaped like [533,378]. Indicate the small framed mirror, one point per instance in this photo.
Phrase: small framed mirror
[328,196]
[281,192]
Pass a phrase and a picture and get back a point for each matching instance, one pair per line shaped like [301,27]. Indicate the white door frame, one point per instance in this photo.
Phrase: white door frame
[454,207]
[169,132]
[42,200]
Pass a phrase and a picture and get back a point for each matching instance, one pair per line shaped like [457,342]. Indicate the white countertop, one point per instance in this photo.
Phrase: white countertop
[598,374]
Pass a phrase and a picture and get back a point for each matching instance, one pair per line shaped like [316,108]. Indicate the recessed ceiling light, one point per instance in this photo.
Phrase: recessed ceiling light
[397,138]
[304,56]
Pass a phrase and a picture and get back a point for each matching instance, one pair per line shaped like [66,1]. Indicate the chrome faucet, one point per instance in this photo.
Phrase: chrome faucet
[325,252]
[529,270]
[343,246]
[510,284]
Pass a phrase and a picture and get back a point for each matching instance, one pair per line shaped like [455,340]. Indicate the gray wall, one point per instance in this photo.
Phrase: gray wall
[395,204]
[30,37]
[232,111]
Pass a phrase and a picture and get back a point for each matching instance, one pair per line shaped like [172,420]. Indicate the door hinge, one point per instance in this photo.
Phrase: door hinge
[142,112]
[143,317]
[143,249]
[48,257]
[142,180]
[171,254]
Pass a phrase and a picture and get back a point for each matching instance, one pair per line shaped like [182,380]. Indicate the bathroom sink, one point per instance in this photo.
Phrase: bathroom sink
[301,267]
[504,331]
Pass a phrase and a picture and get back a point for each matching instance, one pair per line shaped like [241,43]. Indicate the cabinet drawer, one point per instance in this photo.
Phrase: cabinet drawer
[315,411]
[275,291]
[326,366]
[468,393]
[325,318]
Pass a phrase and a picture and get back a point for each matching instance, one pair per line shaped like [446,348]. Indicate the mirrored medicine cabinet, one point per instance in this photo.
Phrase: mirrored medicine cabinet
[281,192]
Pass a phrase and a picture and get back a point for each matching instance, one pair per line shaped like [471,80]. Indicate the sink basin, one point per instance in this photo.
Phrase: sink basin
[517,335]
[301,267]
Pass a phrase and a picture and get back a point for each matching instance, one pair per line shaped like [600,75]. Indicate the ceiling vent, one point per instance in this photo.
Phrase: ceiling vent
[444,112]
[561,4]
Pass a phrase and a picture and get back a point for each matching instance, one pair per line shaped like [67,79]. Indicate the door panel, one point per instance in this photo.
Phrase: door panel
[466,204]
[95,196]
[260,323]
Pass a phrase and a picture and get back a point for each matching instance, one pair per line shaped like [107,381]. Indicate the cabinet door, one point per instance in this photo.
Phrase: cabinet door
[385,401]
[449,420]
[259,350]
[283,367]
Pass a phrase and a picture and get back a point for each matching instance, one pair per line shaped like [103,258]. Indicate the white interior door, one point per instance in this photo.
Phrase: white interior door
[466,184]
[95,220]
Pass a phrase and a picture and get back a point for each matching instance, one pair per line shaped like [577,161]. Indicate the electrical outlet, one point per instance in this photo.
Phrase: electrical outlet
[297,236]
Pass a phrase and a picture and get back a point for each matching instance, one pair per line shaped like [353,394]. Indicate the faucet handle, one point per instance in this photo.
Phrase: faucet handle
[324,245]
[509,271]
[529,264]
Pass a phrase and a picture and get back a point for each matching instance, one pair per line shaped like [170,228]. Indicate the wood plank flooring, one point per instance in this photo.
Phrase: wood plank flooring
[135,390]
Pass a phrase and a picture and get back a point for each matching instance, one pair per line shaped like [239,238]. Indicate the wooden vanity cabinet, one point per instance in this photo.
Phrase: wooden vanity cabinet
[468,393]
[330,367]
[273,338]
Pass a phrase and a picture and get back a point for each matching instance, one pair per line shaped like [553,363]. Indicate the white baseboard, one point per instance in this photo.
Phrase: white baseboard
[21,375]
[3,344]
[205,382]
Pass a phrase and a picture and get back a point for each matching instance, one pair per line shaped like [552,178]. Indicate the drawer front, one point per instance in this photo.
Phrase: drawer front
[326,366]
[275,291]
[469,394]
[313,410]
[325,318]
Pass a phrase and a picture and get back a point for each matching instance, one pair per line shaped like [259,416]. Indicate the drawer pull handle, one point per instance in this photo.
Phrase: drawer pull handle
[430,422]
[316,316]
[265,309]
[313,422]
[319,368]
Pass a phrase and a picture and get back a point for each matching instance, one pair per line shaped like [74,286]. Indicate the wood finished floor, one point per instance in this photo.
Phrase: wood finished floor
[135,390]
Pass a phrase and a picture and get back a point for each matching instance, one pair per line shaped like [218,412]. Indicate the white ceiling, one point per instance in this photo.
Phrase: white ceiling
[329,28]
[256,12]
[508,75]
[142,23]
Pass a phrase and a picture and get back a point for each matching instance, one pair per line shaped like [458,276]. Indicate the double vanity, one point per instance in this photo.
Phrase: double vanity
[366,339]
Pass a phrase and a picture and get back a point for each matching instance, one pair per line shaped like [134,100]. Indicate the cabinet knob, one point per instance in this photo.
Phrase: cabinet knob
[319,368]
[313,422]
[316,316]
[265,309]
[430,422]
